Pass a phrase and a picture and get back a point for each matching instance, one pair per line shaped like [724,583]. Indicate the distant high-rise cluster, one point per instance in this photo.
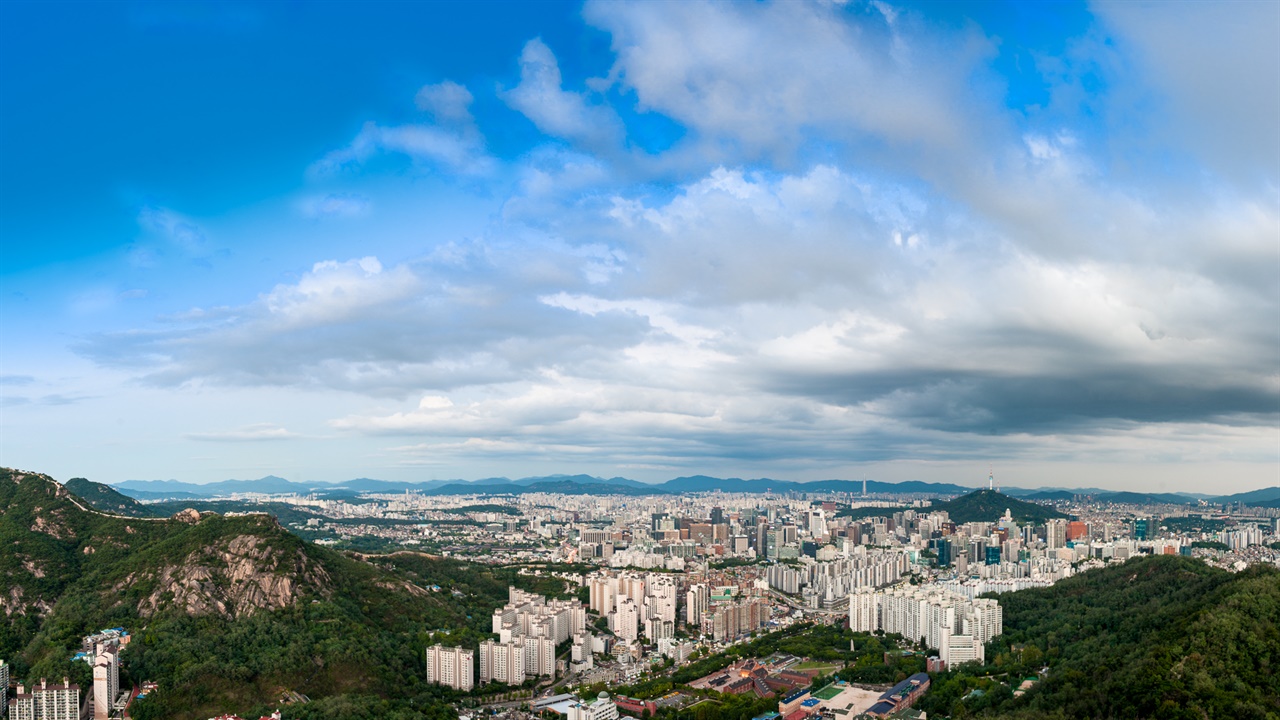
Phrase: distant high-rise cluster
[957,626]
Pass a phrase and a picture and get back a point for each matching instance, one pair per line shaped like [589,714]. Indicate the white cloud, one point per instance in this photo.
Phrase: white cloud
[768,76]
[448,102]
[175,228]
[430,145]
[555,111]
[250,433]
[945,280]
[336,205]
[1217,65]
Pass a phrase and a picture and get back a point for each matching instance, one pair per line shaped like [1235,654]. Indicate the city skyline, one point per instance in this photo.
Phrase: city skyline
[903,241]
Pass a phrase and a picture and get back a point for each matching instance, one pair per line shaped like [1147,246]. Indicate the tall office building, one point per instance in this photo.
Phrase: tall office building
[817,523]
[4,686]
[451,667]
[1142,528]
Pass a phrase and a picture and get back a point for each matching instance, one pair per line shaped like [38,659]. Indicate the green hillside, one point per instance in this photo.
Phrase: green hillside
[1156,637]
[105,498]
[989,506]
[227,613]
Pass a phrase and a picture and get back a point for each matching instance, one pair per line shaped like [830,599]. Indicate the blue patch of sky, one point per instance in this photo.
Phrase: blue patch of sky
[1026,32]
[208,106]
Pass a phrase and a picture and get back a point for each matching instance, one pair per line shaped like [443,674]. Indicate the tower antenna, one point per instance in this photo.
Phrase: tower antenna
[991,479]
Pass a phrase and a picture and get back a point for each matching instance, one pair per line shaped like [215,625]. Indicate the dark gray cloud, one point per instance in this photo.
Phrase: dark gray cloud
[977,402]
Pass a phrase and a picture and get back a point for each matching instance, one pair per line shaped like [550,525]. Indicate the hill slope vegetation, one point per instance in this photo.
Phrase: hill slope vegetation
[227,613]
[1156,637]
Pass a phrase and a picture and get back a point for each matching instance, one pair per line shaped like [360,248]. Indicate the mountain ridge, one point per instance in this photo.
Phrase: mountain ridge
[593,485]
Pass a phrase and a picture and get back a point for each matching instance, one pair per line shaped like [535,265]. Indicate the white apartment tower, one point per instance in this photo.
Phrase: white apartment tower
[602,594]
[502,662]
[451,667]
[661,598]
[627,620]
[539,656]
[46,702]
[696,602]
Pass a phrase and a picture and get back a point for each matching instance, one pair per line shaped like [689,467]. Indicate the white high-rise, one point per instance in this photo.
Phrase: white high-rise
[627,620]
[539,656]
[956,626]
[502,662]
[452,667]
[46,702]
[697,600]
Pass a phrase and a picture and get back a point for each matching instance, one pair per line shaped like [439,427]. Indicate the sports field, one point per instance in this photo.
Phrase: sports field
[827,692]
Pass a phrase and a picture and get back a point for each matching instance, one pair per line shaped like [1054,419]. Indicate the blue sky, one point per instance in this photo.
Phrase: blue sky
[798,240]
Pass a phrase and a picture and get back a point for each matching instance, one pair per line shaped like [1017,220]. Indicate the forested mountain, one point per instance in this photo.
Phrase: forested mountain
[1156,637]
[106,498]
[989,505]
[227,612]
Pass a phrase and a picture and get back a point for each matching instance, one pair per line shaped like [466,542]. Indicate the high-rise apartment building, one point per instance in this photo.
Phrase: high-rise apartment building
[539,656]
[46,702]
[1055,533]
[697,600]
[627,620]
[502,662]
[955,625]
[106,679]
[451,667]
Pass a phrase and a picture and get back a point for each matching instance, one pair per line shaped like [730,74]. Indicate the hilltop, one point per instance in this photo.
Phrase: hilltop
[989,506]
[106,498]
[1161,636]
[226,612]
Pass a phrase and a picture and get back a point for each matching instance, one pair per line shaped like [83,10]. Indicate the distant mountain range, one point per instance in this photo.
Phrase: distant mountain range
[591,485]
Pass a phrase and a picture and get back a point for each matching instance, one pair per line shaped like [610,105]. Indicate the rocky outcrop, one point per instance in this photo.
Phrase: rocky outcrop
[54,525]
[238,577]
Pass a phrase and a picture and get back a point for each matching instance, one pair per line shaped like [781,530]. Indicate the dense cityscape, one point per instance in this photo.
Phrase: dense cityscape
[653,583]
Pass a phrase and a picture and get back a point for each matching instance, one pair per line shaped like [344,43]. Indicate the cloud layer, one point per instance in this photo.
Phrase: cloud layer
[856,250]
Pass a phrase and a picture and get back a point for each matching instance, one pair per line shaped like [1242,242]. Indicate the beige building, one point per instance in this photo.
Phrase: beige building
[502,662]
[451,667]
[46,702]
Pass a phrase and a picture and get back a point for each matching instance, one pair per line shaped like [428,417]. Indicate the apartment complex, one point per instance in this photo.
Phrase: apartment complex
[959,627]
